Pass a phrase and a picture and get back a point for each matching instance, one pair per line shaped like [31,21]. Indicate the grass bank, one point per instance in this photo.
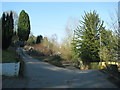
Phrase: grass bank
[55,60]
[9,55]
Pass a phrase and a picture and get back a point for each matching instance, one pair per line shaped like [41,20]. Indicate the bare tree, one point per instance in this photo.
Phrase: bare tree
[65,48]
[115,27]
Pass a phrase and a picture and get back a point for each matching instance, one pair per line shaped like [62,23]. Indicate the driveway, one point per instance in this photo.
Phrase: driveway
[40,74]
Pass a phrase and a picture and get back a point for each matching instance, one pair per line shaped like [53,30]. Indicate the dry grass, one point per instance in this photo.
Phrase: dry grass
[54,60]
[43,53]
[42,49]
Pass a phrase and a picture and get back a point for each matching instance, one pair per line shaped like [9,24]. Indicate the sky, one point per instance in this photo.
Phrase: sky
[48,18]
[119,11]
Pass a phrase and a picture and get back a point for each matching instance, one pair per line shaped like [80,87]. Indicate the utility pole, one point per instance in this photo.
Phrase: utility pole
[100,49]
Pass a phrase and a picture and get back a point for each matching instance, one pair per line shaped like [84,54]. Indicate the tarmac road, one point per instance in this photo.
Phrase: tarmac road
[40,74]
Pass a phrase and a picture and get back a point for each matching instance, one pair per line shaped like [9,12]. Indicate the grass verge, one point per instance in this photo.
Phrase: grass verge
[9,55]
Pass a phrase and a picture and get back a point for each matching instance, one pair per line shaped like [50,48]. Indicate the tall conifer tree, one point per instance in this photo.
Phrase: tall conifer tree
[7,29]
[23,26]
[86,41]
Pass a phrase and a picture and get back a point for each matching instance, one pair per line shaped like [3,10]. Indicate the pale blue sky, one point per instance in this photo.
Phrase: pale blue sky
[49,18]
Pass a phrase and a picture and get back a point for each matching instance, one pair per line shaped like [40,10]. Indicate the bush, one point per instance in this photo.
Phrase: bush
[40,48]
[34,53]
[113,70]
[94,65]
[102,67]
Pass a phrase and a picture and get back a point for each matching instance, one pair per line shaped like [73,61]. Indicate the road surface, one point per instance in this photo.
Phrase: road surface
[40,74]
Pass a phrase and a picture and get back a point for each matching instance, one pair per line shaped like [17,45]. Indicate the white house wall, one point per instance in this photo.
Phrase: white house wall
[9,69]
